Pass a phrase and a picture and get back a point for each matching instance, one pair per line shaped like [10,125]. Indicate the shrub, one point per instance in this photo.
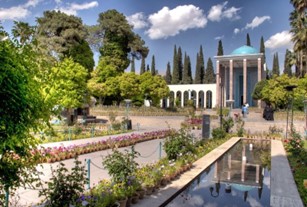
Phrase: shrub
[65,188]
[178,143]
[218,133]
[294,144]
[121,165]
[227,124]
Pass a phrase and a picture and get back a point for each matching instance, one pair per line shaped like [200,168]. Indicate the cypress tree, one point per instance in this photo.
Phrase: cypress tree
[147,68]
[275,68]
[175,76]
[153,66]
[186,77]
[209,75]
[220,50]
[168,76]
[180,65]
[202,64]
[190,71]
[142,69]
[262,50]
[248,41]
[197,79]
[132,65]
[287,64]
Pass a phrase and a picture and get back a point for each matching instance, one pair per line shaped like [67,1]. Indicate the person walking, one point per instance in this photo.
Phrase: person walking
[244,110]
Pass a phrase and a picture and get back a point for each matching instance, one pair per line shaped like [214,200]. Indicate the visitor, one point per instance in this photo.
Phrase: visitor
[247,105]
[244,110]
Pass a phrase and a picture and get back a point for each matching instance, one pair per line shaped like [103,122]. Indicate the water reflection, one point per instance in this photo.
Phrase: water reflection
[236,179]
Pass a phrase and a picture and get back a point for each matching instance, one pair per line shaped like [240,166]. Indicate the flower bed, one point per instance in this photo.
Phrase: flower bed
[193,123]
[58,153]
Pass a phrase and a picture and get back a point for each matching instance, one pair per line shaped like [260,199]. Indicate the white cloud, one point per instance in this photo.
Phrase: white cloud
[168,22]
[219,37]
[137,20]
[220,11]
[73,8]
[18,12]
[257,21]
[282,39]
[236,30]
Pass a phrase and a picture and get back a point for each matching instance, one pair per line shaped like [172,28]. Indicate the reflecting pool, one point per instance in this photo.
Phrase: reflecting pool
[241,177]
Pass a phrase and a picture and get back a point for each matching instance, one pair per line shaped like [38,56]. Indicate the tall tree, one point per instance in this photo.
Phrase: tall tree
[179,62]
[298,19]
[175,76]
[22,31]
[287,63]
[147,68]
[209,75]
[248,41]
[142,69]
[197,78]
[119,40]
[132,65]
[220,50]
[186,78]
[201,64]
[58,33]
[153,66]
[275,68]
[168,75]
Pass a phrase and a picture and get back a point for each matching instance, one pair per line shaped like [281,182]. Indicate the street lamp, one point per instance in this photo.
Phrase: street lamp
[128,101]
[290,88]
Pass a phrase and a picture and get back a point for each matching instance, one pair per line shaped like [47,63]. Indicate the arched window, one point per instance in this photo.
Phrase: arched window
[209,99]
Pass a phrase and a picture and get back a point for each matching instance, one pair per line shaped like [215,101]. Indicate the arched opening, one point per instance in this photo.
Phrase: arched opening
[171,99]
[201,99]
[178,99]
[209,99]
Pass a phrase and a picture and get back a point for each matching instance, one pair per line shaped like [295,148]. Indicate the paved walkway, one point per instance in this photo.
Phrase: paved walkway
[148,150]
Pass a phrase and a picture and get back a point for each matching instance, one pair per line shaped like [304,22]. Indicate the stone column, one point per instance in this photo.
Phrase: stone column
[230,79]
[259,79]
[218,83]
[167,102]
[197,99]
[244,81]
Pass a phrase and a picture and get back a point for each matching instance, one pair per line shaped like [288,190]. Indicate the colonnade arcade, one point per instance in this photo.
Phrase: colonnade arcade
[200,95]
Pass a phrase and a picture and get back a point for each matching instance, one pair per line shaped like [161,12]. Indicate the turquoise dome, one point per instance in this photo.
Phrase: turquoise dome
[244,50]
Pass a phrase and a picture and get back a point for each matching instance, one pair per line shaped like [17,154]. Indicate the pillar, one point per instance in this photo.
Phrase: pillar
[230,79]
[182,99]
[244,81]
[197,99]
[218,83]
[259,79]
[167,103]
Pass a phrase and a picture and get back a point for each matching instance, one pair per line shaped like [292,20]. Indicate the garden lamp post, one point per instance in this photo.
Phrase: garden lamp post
[290,89]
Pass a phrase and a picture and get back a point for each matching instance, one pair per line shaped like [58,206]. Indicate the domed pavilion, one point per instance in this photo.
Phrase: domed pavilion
[236,76]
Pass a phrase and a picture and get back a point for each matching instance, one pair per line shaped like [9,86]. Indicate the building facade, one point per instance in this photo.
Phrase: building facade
[236,76]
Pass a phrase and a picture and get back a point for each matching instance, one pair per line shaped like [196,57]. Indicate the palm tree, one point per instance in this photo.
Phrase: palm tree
[23,31]
[298,22]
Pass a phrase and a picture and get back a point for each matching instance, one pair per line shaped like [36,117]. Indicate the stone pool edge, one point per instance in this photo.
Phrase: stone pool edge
[169,191]
[284,192]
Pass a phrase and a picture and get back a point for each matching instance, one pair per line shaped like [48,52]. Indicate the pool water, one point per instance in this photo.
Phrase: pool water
[241,177]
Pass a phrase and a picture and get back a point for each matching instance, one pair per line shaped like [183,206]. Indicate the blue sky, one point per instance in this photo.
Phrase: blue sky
[188,24]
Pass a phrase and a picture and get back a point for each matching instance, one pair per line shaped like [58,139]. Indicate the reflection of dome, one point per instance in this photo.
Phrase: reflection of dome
[241,187]
[244,50]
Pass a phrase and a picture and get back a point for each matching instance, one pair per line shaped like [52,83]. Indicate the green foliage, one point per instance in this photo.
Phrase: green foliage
[62,28]
[121,165]
[168,75]
[176,72]
[187,73]
[275,68]
[153,66]
[209,74]
[227,123]
[257,95]
[240,126]
[178,144]
[23,112]
[218,133]
[220,50]
[129,85]
[64,187]
[248,41]
[67,85]
[294,144]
